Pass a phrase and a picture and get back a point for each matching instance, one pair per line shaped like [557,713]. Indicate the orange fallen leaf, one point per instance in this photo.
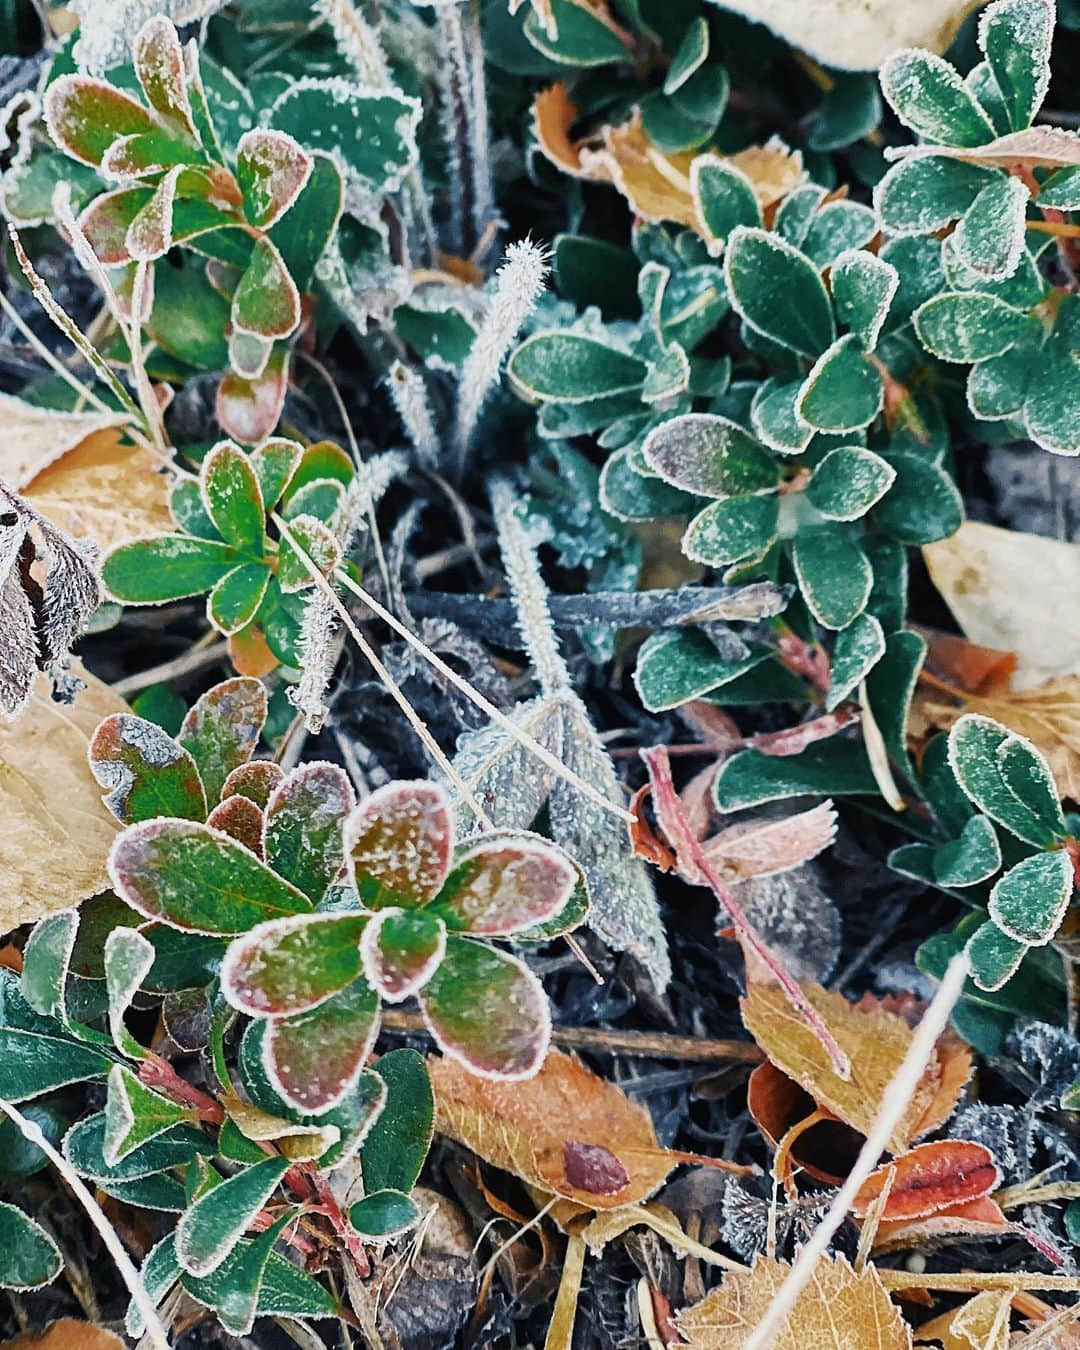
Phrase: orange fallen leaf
[565,1131]
[982,1323]
[104,490]
[250,653]
[929,1178]
[837,1309]
[67,1334]
[978,1218]
[875,1040]
[37,437]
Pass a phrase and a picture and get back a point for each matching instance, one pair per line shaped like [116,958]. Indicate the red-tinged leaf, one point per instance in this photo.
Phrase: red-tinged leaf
[977,1218]
[929,1178]
[106,220]
[248,410]
[275,462]
[145,771]
[84,116]
[150,234]
[266,301]
[197,879]
[292,964]
[313,1060]
[305,819]
[232,498]
[248,354]
[144,155]
[256,780]
[794,740]
[488,1010]
[593,1168]
[223,728]
[761,848]
[234,600]
[644,840]
[401,950]
[505,885]
[159,65]
[397,845]
[272,170]
[241,819]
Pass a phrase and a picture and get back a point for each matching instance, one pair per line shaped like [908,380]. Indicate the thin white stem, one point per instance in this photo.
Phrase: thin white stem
[150,406]
[894,1102]
[392,687]
[483,199]
[496,714]
[84,391]
[147,1311]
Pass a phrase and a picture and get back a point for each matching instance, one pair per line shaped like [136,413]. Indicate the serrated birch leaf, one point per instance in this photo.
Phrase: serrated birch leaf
[29,1258]
[198,879]
[303,834]
[315,1058]
[216,1222]
[145,771]
[290,965]
[401,950]
[134,1115]
[487,1009]
[503,886]
[222,729]
[272,170]
[835,1305]
[1029,902]
[397,844]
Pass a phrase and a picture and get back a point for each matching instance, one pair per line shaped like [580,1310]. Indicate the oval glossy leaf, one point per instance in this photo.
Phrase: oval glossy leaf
[834,574]
[729,531]
[573,368]
[504,886]
[848,482]
[266,301]
[146,773]
[236,598]
[844,390]
[397,1144]
[778,291]
[29,1258]
[1006,778]
[1016,37]
[929,96]
[963,326]
[1029,902]
[197,879]
[384,1215]
[233,498]
[488,1010]
[315,1059]
[84,116]
[398,843]
[710,456]
[290,965]
[272,170]
[168,567]
[222,729]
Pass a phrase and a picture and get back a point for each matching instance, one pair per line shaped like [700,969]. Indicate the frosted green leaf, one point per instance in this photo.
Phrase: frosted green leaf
[129,957]
[1029,901]
[929,96]
[856,651]
[134,1115]
[838,226]
[990,236]
[146,772]
[222,729]
[834,574]
[709,456]
[46,962]
[1006,778]
[924,194]
[994,956]
[964,326]
[778,291]
[729,531]
[682,664]
[848,482]
[216,1222]
[923,504]
[863,287]
[1016,37]
[844,390]
[571,368]
[836,767]
[305,817]
[29,1258]
[774,417]
[723,197]
[972,858]
[630,496]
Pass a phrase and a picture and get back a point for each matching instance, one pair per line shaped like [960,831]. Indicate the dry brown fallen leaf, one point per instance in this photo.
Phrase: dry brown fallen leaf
[875,1040]
[37,437]
[563,1127]
[1036,147]
[837,1310]
[67,1334]
[857,34]
[1015,592]
[982,1323]
[56,831]
[104,490]
[657,186]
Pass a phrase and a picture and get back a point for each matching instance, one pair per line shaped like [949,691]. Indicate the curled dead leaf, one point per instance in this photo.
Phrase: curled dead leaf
[929,1178]
[525,1128]
[838,1308]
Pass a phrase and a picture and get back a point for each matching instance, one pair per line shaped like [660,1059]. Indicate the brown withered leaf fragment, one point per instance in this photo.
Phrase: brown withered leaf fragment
[57,831]
[37,437]
[66,1334]
[977,1219]
[929,1178]
[875,1041]
[982,1323]
[105,490]
[837,1310]
[524,1127]
[1034,147]
[764,845]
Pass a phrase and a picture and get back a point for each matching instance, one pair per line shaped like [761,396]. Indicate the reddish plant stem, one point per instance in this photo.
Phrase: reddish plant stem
[809,662]
[675,826]
[160,1075]
[329,1208]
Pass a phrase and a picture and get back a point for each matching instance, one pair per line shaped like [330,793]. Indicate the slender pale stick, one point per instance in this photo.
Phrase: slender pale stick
[894,1102]
[83,390]
[147,1311]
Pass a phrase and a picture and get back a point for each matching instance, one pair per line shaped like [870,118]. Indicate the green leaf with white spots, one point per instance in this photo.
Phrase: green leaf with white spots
[681,664]
[778,291]
[305,817]
[236,598]
[856,651]
[834,574]
[290,965]
[1016,37]
[964,326]
[926,193]
[990,236]
[733,530]
[32,1063]
[709,456]
[863,287]
[630,496]
[994,956]
[848,482]
[46,962]
[572,368]
[146,772]
[167,567]
[316,1059]
[929,96]
[233,499]
[774,416]
[972,858]
[836,767]
[837,227]
[222,729]
[129,958]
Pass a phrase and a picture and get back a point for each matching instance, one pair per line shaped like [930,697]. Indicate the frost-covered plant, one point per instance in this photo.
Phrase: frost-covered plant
[255,585]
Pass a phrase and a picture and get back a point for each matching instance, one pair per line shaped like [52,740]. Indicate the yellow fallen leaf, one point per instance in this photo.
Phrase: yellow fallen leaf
[1015,591]
[36,437]
[982,1323]
[875,1040]
[857,34]
[56,831]
[104,490]
[837,1310]
[527,1127]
